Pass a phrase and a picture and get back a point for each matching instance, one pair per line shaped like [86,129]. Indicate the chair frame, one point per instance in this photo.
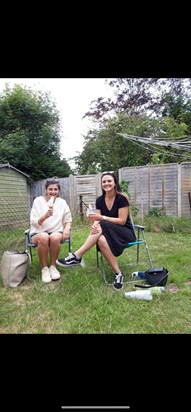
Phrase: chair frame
[140,240]
[29,245]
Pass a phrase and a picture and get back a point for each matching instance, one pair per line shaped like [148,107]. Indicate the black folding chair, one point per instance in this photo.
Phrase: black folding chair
[140,240]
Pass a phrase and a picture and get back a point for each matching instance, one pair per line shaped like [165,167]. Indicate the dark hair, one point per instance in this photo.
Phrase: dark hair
[52,181]
[117,185]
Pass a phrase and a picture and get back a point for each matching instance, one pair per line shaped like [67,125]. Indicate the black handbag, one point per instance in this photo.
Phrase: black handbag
[155,277]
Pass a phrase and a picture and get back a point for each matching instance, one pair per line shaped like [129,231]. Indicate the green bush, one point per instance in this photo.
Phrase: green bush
[124,188]
[156,211]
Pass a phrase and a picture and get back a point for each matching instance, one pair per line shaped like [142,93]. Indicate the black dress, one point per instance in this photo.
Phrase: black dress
[117,236]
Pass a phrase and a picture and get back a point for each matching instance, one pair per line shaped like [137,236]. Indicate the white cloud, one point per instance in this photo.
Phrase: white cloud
[72,97]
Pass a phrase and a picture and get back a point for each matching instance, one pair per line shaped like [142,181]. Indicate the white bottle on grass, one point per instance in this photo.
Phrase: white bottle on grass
[139,294]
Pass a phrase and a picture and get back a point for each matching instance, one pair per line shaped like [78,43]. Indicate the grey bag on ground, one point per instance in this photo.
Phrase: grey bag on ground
[14,266]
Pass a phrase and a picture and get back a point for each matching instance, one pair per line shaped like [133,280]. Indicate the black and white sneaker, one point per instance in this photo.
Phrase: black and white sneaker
[71,260]
[118,281]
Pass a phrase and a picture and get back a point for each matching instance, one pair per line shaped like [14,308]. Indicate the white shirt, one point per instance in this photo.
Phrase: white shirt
[55,223]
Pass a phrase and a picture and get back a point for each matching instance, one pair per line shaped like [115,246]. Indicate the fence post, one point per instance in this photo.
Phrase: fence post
[179,192]
[81,208]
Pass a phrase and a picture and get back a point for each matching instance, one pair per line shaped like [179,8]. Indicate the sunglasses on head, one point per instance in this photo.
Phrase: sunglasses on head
[52,180]
[108,171]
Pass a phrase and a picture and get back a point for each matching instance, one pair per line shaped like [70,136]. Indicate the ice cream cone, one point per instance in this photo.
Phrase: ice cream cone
[51,203]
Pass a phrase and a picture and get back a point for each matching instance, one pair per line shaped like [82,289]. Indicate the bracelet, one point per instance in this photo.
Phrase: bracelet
[104,217]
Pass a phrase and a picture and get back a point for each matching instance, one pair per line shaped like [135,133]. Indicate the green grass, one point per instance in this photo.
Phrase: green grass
[81,303]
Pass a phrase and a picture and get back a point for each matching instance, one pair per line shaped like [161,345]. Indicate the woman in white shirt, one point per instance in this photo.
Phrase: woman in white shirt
[50,223]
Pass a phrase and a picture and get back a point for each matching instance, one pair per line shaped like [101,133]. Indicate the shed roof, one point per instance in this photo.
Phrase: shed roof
[12,167]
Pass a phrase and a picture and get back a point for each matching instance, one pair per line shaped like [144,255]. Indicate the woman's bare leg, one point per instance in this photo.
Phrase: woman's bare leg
[89,243]
[111,259]
[42,240]
[55,239]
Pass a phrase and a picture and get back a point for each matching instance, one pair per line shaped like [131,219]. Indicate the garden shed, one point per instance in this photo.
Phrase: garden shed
[14,199]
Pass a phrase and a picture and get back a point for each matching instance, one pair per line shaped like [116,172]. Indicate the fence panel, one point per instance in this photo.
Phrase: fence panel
[186,189]
[38,189]
[159,186]
[85,190]
[170,189]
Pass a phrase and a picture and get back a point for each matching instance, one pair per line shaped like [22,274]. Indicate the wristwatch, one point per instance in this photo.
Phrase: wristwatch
[104,217]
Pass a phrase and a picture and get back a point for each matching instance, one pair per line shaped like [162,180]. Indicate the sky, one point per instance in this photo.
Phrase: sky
[72,97]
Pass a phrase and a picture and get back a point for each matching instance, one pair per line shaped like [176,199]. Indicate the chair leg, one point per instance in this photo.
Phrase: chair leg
[147,250]
[146,246]
[137,253]
[97,257]
[30,251]
[70,246]
[102,267]
[104,273]
[138,237]
[149,257]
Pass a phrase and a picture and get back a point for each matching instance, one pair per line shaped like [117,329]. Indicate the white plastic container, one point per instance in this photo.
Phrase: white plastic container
[139,294]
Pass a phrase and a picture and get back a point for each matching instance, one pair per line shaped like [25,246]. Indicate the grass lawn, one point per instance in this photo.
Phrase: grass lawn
[81,303]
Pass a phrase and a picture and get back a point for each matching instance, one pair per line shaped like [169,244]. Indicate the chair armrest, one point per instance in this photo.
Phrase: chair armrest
[139,227]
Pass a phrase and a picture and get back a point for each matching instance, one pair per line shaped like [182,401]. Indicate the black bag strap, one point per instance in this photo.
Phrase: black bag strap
[155,284]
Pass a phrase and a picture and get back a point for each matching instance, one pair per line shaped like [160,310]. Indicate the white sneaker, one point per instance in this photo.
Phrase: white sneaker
[55,275]
[46,278]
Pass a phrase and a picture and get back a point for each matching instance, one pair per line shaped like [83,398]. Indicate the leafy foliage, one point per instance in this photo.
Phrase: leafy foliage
[146,107]
[125,189]
[104,149]
[156,212]
[139,95]
[29,133]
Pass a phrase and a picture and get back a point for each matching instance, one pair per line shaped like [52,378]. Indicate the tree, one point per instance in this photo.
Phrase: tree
[104,149]
[152,108]
[138,96]
[107,149]
[179,109]
[30,133]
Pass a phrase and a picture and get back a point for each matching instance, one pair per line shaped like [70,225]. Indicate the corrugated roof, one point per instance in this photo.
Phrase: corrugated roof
[12,167]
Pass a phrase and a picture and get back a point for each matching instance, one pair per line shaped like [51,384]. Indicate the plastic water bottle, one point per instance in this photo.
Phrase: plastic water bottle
[140,275]
[139,294]
[156,290]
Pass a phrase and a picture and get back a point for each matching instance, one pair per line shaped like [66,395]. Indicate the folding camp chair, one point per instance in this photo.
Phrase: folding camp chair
[140,240]
[30,245]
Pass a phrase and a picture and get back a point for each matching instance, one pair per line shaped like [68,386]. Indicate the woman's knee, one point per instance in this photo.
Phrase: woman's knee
[102,241]
[55,238]
[42,239]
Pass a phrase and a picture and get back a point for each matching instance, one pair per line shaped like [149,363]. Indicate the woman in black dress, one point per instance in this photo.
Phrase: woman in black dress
[111,230]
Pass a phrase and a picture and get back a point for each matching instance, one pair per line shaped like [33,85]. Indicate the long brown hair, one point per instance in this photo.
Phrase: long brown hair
[117,185]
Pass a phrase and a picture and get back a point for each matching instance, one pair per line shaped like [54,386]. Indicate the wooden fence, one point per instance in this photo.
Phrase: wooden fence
[72,189]
[166,186]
